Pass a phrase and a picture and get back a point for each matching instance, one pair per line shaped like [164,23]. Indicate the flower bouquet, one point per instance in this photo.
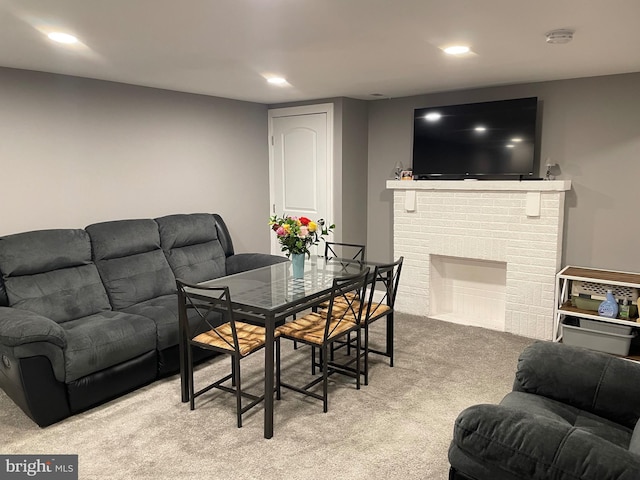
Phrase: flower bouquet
[297,234]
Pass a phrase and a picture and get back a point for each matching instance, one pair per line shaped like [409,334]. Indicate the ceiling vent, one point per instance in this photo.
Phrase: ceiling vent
[560,36]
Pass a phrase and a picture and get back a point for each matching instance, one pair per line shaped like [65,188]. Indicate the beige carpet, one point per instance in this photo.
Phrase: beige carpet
[398,427]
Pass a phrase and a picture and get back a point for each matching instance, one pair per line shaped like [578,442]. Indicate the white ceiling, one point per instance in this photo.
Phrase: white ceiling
[325,48]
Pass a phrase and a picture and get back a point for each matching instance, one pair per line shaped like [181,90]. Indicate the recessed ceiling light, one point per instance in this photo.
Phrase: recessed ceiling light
[61,37]
[433,116]
[480,128]
[510,145]
[277,80]
[516,140]
[456,50]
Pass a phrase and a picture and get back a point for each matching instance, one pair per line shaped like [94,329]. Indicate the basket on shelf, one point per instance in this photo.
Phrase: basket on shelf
[589,295]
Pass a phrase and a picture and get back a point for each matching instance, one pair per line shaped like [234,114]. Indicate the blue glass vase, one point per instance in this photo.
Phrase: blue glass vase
[609,307]
[297,260]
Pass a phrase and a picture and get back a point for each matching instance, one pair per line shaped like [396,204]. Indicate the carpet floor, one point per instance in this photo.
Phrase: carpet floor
[397,427]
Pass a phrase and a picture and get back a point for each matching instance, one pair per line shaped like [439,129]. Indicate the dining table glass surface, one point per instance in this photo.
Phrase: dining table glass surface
[273,287]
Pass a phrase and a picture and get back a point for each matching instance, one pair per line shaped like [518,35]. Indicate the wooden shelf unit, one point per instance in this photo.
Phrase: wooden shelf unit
[563,306]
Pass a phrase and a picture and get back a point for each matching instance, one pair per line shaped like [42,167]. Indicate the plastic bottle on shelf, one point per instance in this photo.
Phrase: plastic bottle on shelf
[609,307]
[624,310]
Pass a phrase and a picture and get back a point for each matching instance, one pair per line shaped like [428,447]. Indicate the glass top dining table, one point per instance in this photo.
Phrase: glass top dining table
[267,296]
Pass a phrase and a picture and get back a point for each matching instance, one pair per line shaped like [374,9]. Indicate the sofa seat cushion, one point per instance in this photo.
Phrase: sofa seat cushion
[191,245]
[568,415]
[163,311]
[105,339]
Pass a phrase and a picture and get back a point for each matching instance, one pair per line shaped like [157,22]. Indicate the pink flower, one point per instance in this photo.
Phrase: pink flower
[304,231]
[281,232]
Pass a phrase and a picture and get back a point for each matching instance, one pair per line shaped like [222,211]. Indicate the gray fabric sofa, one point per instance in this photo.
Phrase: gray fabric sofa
[572,415]
[88,315]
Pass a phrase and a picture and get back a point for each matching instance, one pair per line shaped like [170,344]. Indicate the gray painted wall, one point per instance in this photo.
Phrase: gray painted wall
[590,127]
[77,151]
[354,170]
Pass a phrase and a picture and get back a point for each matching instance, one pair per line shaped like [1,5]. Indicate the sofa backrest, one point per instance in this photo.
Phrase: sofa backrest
[224,236]
[192,246]
[130,261]
[50,272]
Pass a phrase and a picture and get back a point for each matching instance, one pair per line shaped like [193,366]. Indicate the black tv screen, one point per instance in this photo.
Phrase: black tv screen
[488,140]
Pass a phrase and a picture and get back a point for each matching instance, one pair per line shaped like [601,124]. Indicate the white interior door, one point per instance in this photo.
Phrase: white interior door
[300,163]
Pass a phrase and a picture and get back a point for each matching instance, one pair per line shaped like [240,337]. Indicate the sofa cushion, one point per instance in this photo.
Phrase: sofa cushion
[130,261]
[122,238]
[105,339]
[50,272]
[568,415]
[163,311]
[43,251]
[498,442]
[192,247]
[604,384]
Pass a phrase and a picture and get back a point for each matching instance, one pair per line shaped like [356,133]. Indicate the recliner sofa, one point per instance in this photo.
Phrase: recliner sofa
[572,415]
[88,315]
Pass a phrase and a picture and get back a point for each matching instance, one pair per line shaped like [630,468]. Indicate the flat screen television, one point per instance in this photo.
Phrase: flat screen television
[488,140]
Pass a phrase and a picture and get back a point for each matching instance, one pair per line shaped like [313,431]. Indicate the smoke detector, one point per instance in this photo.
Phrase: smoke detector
[560,36]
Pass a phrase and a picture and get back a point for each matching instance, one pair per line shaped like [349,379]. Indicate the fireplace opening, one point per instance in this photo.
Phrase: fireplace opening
[468,291]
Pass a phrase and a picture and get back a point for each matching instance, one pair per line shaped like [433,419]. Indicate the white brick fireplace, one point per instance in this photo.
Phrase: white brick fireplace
[481,253]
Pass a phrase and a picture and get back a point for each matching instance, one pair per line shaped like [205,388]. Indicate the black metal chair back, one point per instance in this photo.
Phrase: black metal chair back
[387,276]
[347,252]
[349,292]
[205,302]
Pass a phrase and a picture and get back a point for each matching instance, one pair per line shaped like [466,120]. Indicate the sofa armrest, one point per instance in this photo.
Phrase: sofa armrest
[21,327]
[242,262]
[605,385]
[527,446]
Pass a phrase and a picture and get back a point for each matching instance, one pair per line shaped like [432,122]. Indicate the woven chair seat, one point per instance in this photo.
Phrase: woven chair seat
[310,328]
[250,337]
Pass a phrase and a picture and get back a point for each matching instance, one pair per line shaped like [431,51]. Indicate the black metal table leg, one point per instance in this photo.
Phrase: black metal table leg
[268,376]
[184,378]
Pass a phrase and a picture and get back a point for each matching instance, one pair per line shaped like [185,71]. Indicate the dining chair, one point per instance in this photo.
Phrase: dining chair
[386,276]
[226,336]
[342,254]
[321,329]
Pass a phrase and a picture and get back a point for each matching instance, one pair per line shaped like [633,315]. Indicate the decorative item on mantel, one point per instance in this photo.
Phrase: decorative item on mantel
[296,235]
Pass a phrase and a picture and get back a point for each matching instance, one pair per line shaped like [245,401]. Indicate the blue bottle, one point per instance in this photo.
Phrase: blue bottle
[609,307]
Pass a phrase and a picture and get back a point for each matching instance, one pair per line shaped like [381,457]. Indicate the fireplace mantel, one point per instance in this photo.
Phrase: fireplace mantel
[518,224]
[485,185]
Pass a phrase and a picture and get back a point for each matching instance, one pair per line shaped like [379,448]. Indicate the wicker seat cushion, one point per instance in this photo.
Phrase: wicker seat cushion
[250,337]
[310,328]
